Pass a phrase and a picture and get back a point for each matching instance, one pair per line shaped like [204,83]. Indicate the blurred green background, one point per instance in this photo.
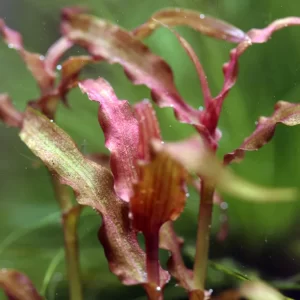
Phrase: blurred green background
[263,239]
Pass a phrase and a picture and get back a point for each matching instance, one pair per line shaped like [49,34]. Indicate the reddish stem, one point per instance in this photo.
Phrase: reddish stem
[152,258]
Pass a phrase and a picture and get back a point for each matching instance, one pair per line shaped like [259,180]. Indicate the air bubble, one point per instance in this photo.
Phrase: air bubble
[58,67]
[51,121]
[200,108]
[202,16]
[224,205]
[10,45]
[158,288]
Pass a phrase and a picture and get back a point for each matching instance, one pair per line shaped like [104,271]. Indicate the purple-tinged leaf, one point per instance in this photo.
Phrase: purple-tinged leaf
[195,60]
[17,286]
[285,113]
[121,131]
[204,24]
[55,52]
[43,69]
[114,44]
[8,113]
[93,185]
[230,69]
[197,157]
[34,61]
[70,70]
[169,241]
[148,128]
[263,35]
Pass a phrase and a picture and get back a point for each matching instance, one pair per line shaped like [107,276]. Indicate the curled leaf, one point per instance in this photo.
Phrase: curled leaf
[17,285]
[254,36]
[55,52]
[204,24]
[121,133]
[114,44]
[197,157]
[8,113]
[93,185]
[169,241]
[159,194]
[263,35]
[285,113]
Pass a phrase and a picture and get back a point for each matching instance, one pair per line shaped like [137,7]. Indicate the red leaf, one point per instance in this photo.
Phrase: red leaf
[148,128]
[34,61]
[121,133]
[230,69]
[93,185]
[176,266]
[116,45]
[204,24]
[285,113]
[8,113]
[43,69]
[263,35]
[17,286]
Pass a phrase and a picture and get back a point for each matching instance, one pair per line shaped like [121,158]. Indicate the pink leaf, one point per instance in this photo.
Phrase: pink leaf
[285,113]
[121,133]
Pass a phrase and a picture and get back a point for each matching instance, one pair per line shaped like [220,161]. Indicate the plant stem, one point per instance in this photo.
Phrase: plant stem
[70,216]
[151,241]
[203,234]
[70,222]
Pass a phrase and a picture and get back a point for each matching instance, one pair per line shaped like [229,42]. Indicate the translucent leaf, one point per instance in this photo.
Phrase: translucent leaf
[197,157]
[204,24]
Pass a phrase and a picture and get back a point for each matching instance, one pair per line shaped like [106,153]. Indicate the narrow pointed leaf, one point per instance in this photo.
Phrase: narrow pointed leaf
[204,24]
[159,194]
[93,185]
[121,133]
[195,155]
[9,115]
[195,60]
[34,61]
[254,36]
[17,285]
[114,44]
[285,113]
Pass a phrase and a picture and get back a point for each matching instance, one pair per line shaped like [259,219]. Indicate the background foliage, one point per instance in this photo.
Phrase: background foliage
[263,239]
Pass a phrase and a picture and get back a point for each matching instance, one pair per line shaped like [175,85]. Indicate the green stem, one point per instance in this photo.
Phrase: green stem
[70,217]
[203,235]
